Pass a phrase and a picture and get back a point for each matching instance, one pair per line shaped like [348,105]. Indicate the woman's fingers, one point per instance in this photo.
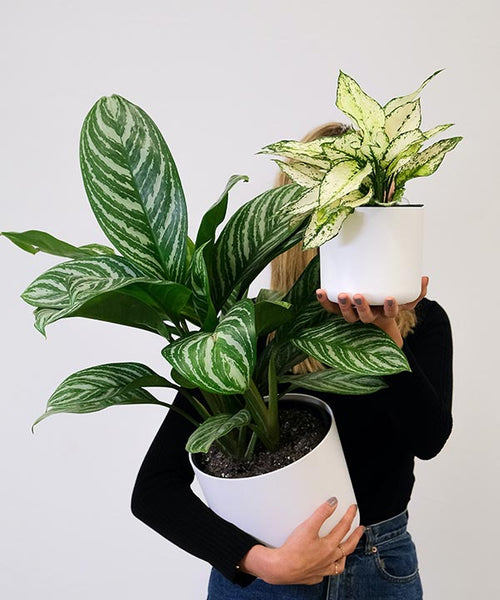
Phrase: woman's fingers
[320,515]
[338,533]
[325,303]
[347,310]
[391,308]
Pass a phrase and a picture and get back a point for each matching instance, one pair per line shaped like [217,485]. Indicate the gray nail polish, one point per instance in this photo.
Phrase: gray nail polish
[332,501]
[358,301]
[390,302]
[343,300]
[319,296]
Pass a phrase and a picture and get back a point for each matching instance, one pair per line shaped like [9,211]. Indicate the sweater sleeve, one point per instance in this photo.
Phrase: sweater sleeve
[163,499]
[420,401]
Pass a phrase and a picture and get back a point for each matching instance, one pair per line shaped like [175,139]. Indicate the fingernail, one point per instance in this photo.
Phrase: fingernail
[332,501]
[343,300]
[358,301]
[319,296]
[390,302]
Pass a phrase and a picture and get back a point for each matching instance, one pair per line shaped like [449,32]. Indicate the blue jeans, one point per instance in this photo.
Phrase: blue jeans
[382,567]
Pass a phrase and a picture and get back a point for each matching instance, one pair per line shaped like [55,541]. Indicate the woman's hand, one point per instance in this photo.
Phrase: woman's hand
[305,557]
[381,316]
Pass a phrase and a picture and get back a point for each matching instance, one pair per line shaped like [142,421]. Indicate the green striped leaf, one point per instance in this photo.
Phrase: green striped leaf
[404,118]
[112,307]
[200,285]
[426,162]
[362,108]
[71,283]
[34,241]
[216,213]
[336,382]
[134,188]
[352,347]
[223,361]
[396,102]
[259,231]
[99,387]
[214,428]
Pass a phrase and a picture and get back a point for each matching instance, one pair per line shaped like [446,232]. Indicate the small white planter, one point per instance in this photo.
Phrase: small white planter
[378,253]
[270,506]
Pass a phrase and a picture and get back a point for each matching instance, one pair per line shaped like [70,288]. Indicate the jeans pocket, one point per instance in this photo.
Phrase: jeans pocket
[396,559]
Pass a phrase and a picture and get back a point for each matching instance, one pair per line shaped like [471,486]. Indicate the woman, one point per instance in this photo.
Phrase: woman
[381,434]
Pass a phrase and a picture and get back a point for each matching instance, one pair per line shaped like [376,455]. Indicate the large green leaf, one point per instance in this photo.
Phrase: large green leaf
[222,361]
[216,213]
[307,176]
[403,145]
[112,307]
[271,314]
[310,153]
[200,285]
[34,241]
[214,428]
[336,382]
[325,224]
[352,347]
[73,282]
[99,387]
[134,188]
[343,178]
[259,231]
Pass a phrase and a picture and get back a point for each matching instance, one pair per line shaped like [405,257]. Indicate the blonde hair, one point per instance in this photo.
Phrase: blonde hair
[287,267]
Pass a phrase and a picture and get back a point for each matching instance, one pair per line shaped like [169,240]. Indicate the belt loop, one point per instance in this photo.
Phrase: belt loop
[369,540]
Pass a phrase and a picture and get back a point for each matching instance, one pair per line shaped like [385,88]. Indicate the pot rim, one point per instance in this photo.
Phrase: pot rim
[306,398]
[388,207]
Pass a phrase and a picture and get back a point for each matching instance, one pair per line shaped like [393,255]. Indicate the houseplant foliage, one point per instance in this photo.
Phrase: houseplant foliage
[366,164]
[193,293]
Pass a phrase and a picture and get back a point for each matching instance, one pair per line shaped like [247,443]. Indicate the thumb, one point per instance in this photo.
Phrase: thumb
[320,515]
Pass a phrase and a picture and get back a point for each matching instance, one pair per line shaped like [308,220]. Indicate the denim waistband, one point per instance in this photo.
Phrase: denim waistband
[381,532]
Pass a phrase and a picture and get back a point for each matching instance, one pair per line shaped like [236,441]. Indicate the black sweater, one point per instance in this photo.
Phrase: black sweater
[381,434]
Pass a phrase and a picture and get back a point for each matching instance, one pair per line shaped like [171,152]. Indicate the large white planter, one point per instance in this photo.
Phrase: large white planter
[378,253]
[270,506]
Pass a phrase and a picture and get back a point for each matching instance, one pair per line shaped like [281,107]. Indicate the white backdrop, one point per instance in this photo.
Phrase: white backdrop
[222,79]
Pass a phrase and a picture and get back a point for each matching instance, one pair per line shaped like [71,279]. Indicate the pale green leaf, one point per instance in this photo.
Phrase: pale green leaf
[304,175]
[435,130]
[403,145]
[342,179]
[325,224]
[396,102]
[406,117]
[362,108]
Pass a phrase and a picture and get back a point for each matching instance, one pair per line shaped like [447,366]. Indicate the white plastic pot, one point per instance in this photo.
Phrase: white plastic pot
[270,506]
[378,253]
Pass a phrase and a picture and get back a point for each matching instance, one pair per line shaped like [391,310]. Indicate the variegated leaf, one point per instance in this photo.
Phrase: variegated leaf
[223,361]
[134,188]
[336,382]
[403,118]
[342,179]
[73,282]
[435,130]
[259,231]
[396,102]
[348,144]
[216,213]
[307,176]
[306,204]
[426,162]
[200,285]
[270,314]
[214,428]
[362,108]
[325,224]
[306,152]
[403,145]
[356,198]
[99,387]
[112,307]
[34,241]
[352,347]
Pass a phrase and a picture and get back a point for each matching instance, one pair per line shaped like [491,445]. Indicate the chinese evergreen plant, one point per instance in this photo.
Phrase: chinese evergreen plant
[368,165]
[193,294]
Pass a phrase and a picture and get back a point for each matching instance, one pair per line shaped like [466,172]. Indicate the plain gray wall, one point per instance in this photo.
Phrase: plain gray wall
[222,79]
